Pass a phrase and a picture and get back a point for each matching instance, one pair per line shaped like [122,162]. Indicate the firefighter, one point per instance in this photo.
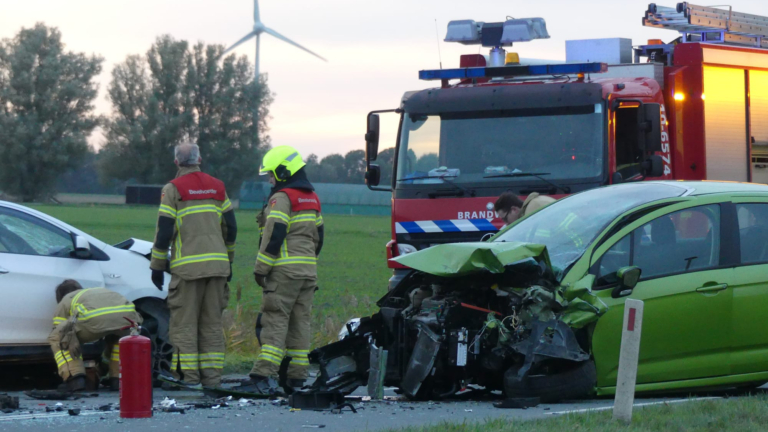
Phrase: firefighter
[197,222]
[511,208]
[84,316]
[286,270]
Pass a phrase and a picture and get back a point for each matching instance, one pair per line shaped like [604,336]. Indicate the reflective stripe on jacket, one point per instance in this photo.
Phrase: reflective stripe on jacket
[199,243]
[296,255]
[96,310]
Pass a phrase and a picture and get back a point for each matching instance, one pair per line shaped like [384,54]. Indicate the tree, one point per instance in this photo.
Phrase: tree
[354,166]
[175,94]
[46,97]
[222,97]
[386,161]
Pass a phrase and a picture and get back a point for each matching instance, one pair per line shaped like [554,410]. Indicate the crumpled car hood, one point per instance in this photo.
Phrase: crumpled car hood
[578,303]
[459,259]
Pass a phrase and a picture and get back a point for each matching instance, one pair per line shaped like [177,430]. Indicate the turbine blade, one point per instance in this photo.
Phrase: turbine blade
[248,36]
[256,11]
[285,39]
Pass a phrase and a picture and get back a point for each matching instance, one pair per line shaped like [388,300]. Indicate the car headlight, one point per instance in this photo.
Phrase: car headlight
[403,249]
[353,324]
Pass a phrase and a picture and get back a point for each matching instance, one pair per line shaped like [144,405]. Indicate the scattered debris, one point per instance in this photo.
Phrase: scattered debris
[315,426]
[167,403]
[107,407]
[519,403]
[315,400]
[74,411]
[9,402]
[174,409]
[338,409]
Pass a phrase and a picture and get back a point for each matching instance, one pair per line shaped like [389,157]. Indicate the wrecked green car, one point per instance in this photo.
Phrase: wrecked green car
[537,310]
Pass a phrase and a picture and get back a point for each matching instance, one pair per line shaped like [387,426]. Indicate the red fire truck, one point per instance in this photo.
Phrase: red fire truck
[693,109]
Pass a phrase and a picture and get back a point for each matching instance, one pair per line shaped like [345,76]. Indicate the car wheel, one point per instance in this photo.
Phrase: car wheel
[571,381]
[155,326]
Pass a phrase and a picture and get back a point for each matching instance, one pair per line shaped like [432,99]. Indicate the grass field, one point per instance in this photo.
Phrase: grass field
[744,414]
[352,270]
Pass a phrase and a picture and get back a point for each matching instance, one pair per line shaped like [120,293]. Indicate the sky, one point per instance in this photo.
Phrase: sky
[374,48]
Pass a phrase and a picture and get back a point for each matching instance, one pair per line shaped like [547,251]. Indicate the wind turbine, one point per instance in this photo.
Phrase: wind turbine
[258,29]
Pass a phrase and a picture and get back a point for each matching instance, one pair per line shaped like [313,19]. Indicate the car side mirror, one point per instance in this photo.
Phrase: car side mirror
[372,138]
[628,278]
[373,175]
[82,248]
[653,166]
[649,127]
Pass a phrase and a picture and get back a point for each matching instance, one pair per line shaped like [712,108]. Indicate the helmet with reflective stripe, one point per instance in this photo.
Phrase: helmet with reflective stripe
[282,161]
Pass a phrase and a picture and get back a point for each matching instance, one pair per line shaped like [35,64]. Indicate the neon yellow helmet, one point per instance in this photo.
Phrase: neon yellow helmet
[282,161]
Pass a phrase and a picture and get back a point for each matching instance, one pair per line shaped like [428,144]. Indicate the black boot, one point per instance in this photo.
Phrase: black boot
[114,384]
[259,385]
[73,384]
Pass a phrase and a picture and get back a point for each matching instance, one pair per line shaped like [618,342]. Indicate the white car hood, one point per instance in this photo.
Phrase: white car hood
[141,247]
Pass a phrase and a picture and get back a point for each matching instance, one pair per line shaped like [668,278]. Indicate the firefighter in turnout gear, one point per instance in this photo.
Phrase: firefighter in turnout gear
[286,269]
[197,222]
[84,316]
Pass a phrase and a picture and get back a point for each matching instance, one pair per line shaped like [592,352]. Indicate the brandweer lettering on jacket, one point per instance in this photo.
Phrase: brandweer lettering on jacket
[307,200]
[200,192]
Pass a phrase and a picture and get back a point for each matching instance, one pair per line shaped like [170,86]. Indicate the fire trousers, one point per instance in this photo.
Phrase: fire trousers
[283,326]
[73,366]
[196,330]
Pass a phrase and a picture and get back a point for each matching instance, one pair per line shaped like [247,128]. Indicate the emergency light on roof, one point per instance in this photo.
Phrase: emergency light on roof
[469,32]
[511,71]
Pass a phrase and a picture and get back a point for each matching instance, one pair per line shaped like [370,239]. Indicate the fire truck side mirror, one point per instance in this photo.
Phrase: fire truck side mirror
[373,175]
[649,118]
[653,166]
[372,138]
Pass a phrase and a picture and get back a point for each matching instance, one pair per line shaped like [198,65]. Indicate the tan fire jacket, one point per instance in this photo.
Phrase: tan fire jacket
[96,310]
[297,254]
[534,203]
[200,243]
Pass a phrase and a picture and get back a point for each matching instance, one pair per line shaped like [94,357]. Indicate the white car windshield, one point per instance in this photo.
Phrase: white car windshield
[567,227]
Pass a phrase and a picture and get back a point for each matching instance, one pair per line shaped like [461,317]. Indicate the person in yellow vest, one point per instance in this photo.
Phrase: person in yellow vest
[511,208]
[286,270]
[196,221]
[84,316]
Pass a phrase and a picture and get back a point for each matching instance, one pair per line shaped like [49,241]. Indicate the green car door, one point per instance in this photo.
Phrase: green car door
[750,291]
[685,284]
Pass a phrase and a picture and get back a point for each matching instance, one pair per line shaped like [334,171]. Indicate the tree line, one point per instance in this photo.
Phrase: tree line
[175,92]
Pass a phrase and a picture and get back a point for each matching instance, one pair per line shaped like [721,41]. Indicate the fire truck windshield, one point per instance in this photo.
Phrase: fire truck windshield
[470,147]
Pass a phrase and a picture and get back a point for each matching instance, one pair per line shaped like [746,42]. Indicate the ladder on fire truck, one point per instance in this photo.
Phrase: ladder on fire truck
[709,24]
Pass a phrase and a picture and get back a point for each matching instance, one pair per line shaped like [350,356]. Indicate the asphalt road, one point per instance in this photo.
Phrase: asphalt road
[272,416]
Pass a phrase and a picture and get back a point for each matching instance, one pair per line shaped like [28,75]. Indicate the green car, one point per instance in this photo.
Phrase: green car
[538,310]
[702,249]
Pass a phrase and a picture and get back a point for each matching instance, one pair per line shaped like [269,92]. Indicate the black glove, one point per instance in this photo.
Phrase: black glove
[261,280]
[229,278]
[158,278]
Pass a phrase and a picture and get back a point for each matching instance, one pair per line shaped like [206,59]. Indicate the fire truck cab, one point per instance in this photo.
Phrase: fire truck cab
[693,109]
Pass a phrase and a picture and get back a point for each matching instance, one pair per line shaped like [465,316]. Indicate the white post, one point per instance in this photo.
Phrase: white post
[629,353]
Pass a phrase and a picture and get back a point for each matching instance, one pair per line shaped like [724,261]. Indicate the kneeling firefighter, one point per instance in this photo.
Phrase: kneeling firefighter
[83,316]
[286,270]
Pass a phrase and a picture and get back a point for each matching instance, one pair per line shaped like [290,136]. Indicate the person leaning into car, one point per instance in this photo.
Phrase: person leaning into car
[84,316]
[511,208]
[197,222]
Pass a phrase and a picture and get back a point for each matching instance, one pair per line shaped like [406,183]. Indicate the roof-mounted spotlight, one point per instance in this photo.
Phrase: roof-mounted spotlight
[465,32]
[469,32]
[524,30]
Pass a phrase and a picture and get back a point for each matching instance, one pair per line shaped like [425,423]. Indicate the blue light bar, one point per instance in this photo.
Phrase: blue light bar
[512,71]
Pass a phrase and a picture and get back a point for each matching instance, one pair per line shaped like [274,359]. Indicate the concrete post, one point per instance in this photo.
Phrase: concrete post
[629,353]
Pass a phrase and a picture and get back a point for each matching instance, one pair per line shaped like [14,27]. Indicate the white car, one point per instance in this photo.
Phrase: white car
[38,252]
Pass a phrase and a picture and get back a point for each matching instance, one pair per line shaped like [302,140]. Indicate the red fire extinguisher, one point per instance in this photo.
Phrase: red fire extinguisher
[135,374]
